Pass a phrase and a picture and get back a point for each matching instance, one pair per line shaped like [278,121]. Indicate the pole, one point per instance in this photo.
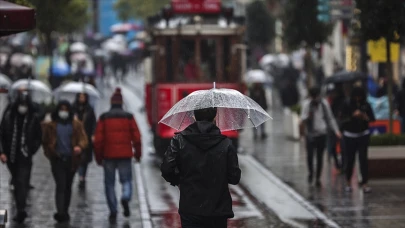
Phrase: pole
[390,83]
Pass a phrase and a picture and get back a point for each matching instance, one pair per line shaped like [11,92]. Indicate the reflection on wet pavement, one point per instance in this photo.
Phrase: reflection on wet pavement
[384,207]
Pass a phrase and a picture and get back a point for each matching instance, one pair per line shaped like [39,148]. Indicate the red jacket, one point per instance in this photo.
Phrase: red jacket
[116,135]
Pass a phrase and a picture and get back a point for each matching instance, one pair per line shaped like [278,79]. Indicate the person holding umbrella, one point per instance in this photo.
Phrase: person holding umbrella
[20,138]
[85,113]
[200,160]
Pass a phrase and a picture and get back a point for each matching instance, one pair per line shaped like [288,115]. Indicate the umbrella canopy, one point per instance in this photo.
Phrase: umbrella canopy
[27,60]
[267,59]
[141,35]
[5,82]
[60,68]
[126,27]
[17,59]
[113,46]
[135,45]
[15,18]
[78,47]
[345,76]
[234,110]
[40,91]
[256,76]
[77,87]
[79,57]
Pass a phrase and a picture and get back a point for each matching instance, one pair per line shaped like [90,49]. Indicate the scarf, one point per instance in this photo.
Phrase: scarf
[23,148]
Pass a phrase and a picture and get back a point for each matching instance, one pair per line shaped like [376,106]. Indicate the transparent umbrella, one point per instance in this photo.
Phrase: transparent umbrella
[40,91]
[234,110]
[78,87]
[5,82]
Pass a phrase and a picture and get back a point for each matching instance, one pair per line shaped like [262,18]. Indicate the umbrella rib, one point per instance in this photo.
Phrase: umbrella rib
[249,118]
[181,123]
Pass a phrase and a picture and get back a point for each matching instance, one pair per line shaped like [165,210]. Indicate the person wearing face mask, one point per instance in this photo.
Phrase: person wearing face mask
[317,119]
[357,115]
[20,139]
[63,141]
[85,113]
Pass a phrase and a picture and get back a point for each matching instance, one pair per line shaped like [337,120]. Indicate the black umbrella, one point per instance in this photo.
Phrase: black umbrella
[345,76]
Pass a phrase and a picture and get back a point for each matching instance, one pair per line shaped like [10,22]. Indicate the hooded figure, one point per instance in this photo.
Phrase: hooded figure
[202,162]
[356,117]
[20,139]
[85,113]
[63,142]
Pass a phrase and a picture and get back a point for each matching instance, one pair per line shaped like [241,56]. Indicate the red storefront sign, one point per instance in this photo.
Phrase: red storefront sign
[196,6]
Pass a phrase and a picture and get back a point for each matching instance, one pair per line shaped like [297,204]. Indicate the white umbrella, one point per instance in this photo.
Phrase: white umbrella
[79,57]
[5,82]
[141,35]
[121,27]
[77,87]
[17,59]
[40,92]
[113,46]
[234,110]
[256,76]
[78,47]
[27,60]
[267,60]
[283,60]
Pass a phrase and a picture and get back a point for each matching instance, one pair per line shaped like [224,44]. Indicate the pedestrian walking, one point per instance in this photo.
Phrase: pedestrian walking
[63,142]
[202,162]
[357,114]
[116,137]
[400,106]
[20,139]
[85,113]
[317,118]
[258,94]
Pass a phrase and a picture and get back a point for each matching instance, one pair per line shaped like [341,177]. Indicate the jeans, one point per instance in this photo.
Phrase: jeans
[63,175]
[124,167]
[21,173]
[317,144]
[82,170]
[359,145]
[194,221]
[332,141]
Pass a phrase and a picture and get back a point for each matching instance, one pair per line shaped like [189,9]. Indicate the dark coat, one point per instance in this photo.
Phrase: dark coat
[202,162]
[258,94]
[33,133]
[353,124]
[88,118]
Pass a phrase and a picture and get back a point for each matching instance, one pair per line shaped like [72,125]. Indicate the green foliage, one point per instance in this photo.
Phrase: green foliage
[382,18]
[387,140]
[260,23]
[302,25]
[296,108]
[127,9]
[65,16]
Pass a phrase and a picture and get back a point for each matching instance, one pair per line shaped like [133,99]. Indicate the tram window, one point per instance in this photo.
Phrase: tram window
[208,59]
[186,64]
[227,58]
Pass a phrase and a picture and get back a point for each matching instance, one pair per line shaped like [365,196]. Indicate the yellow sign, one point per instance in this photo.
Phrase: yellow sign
[378,50]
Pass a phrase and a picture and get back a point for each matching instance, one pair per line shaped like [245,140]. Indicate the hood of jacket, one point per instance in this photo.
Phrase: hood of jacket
[202,134]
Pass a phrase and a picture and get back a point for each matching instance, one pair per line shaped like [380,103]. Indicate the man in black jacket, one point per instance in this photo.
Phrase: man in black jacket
[20,138]
[202,162]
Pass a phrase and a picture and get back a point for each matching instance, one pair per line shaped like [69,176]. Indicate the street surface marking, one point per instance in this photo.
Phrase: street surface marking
[278,196]
[143,203]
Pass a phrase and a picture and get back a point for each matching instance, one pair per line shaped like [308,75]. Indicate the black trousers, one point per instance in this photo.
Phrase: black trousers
[315,145]
[63,175]
[352,146]
[195,221]
[20,174]
[332,141]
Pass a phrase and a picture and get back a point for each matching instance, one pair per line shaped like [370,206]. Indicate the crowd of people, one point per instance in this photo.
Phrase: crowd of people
[69,140]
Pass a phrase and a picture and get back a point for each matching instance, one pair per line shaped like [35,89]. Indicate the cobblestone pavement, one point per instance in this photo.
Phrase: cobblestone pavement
[88,209]
[384,207]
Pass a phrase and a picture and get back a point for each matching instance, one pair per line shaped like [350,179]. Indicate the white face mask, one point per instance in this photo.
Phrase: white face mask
[63,115]
[22,109]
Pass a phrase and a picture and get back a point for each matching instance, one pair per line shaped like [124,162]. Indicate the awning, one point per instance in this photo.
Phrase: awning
[15,18]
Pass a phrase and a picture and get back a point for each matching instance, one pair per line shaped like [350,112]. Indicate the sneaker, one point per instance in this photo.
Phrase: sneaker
[125,206]
[20,217]
[112,218]
[348,188]
[61,218]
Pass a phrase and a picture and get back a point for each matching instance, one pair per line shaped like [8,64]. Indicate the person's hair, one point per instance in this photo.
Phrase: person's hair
[314,92]
[206,114]
[78,96]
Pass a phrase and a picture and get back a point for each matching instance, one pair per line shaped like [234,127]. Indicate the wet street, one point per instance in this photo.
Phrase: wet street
[273,192]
